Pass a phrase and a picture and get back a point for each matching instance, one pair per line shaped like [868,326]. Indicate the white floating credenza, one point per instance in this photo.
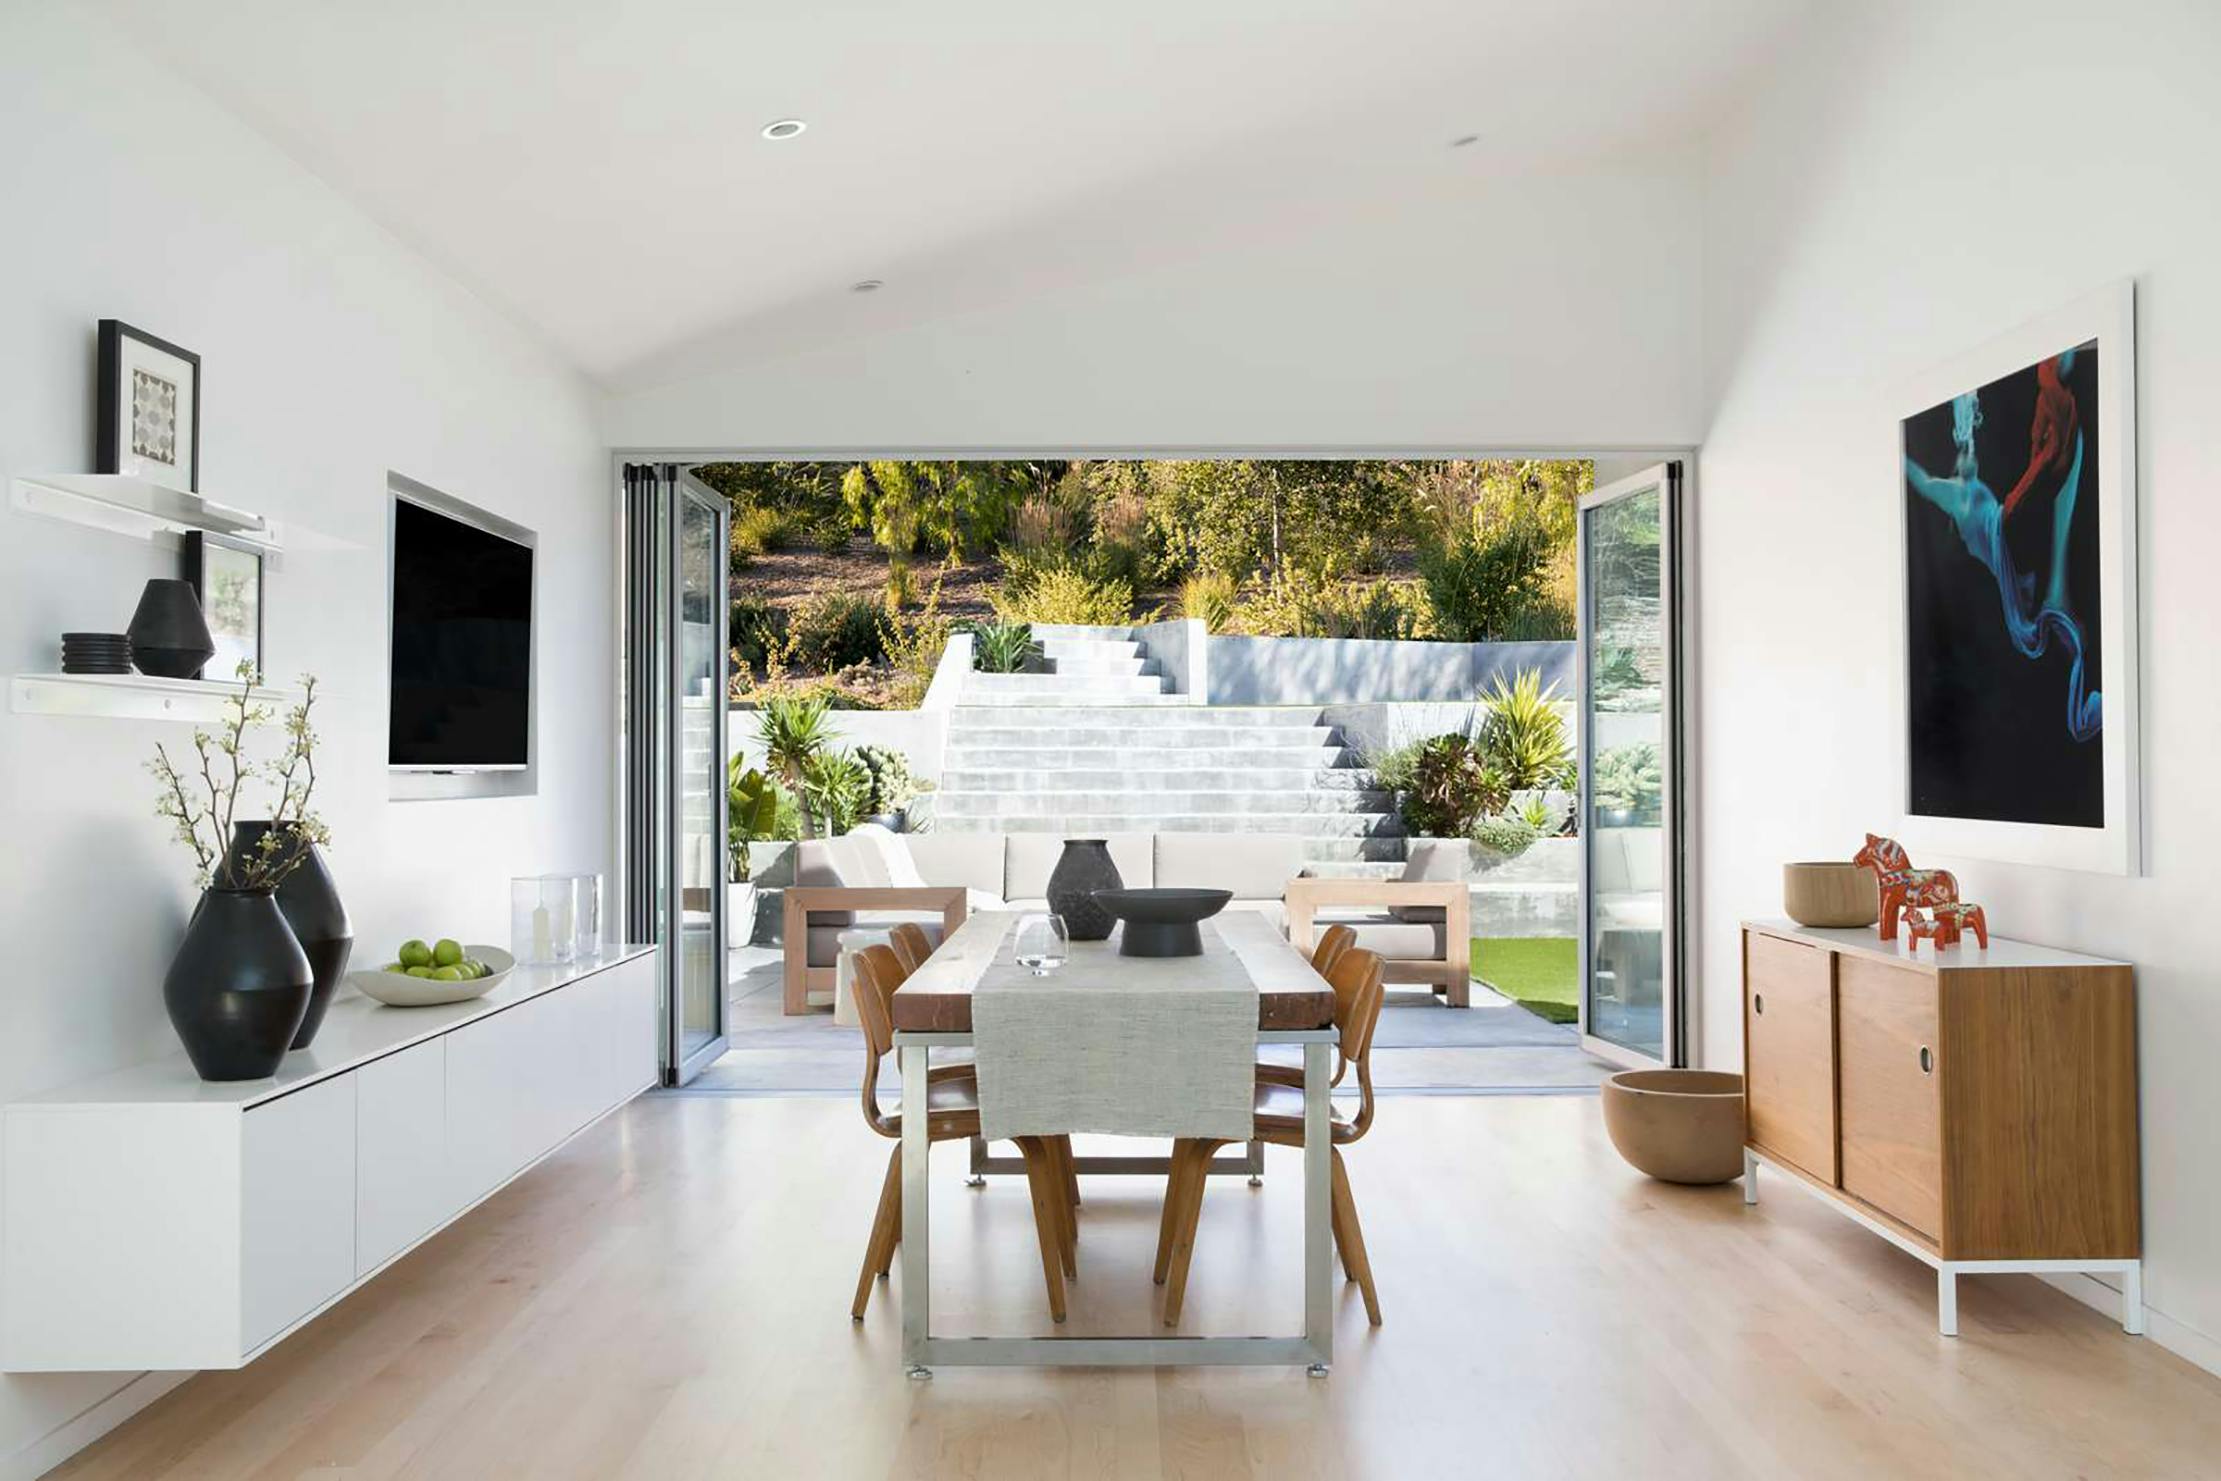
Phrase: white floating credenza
[152,1220]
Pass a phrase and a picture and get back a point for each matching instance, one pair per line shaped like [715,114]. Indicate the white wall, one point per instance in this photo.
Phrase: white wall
[331,355]
[1520,312]
[1916,179]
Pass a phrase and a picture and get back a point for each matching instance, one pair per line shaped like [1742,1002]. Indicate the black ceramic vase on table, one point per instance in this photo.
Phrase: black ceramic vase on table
[1083,868]
[238,987]
[169,637]
[310,903]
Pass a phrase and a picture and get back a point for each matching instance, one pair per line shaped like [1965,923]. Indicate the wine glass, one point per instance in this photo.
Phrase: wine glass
[1043,944]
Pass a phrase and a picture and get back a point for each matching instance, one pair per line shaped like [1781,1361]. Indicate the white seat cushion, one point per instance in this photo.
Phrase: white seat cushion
[1255,866]
[1431,861]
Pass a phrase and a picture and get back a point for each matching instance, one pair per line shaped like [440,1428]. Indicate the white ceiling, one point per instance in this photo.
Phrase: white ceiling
[595,167]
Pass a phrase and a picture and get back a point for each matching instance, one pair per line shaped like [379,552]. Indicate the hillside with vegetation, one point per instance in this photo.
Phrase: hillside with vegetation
[847,577]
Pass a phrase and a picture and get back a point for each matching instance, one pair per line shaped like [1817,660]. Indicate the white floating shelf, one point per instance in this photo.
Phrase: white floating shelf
[137,697]
[137,506]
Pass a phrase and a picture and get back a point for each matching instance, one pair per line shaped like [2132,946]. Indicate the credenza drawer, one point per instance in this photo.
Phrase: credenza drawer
[1788,1048]
[297,1207]
[402,1184]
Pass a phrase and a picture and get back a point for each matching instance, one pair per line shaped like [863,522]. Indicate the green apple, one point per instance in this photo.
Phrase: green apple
[420,971]
[447,974]
[477,968]
[393,967]
[447,953]
[415,954]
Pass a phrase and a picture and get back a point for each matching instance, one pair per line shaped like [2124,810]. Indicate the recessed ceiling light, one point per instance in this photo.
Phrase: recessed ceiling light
[784,128]
[1464,139]
[867,285]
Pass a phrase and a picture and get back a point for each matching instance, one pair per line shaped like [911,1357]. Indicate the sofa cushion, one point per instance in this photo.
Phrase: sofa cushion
[1255,866]
[836,863]
[1031,857]
[1397,940]
[1430,861]
[973,860]
[887,854]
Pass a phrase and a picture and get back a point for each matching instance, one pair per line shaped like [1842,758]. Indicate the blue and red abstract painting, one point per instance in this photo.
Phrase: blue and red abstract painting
[2001,593]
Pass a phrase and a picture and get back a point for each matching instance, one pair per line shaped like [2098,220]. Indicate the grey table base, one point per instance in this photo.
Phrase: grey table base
[922,1350]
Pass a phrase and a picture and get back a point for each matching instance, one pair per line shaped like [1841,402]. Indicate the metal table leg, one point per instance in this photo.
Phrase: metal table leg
[917,1218]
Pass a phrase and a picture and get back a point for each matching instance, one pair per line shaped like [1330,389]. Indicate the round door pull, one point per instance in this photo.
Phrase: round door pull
[1927,1060]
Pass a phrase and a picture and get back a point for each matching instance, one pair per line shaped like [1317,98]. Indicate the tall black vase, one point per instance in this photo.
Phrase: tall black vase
[238,986]
[1083,868]
[310,903]
[169,637]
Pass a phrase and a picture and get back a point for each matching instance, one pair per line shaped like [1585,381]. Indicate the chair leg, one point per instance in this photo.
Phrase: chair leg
[880,1249]
[1351,1237]
[1047,1196]
[1175,1188]
[1191,1214]
[1071,1175]
[1068,1222]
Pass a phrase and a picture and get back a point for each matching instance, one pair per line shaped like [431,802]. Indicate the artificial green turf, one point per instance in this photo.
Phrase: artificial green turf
[1537,972]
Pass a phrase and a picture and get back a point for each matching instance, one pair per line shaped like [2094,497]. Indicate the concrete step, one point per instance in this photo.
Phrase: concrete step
[1087,825]
[1129,667]
[1107,689]
[1069,718]
[1144,756]
[1051,807]
[1178,774]
[1089,648]
[1081,632]
[1079,700]
[1168,738]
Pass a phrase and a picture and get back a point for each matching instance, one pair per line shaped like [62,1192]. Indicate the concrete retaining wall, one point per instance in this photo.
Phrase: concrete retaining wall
[1296,671]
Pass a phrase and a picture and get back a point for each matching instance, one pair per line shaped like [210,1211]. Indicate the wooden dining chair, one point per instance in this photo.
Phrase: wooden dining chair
[1358,991]
[951,1114]
[1333,941]
[911,945]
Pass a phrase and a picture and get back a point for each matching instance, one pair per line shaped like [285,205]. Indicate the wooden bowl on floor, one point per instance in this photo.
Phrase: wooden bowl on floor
[1830,894]
[1679,1126]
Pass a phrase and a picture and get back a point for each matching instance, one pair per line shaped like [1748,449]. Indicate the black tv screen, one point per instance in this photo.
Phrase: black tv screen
[462,644]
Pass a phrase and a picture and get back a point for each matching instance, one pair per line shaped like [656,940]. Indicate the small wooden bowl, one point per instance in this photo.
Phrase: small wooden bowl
[1829,894]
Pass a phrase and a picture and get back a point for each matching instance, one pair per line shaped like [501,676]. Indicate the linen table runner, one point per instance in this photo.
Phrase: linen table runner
[1132,1046]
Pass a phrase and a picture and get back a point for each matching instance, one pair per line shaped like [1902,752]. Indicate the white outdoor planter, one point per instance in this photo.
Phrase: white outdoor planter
[740,913]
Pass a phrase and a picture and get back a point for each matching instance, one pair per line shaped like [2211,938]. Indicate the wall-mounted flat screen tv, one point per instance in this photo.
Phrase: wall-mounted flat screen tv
[462,644]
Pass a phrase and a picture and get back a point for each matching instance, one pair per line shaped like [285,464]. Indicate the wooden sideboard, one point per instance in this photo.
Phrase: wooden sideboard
[1975,1107]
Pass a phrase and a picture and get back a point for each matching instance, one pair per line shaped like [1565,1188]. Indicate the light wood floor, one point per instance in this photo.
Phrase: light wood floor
[668,1298]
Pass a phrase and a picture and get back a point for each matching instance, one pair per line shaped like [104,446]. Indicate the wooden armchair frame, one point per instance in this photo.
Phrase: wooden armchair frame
[802,901]
[1450,974]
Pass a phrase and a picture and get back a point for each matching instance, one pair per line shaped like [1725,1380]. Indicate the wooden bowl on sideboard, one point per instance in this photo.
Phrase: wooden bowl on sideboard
[1829,894]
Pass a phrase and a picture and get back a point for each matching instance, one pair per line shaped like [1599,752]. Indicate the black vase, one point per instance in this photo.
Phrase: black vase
[169,637]
[238,986]
[1084,867]
[309,901]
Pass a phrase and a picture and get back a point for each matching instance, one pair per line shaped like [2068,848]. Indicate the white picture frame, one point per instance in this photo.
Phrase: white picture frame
[2116,846]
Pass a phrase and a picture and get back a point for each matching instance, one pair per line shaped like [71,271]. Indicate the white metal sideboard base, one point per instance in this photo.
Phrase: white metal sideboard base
[922,1350]
[1949,1271]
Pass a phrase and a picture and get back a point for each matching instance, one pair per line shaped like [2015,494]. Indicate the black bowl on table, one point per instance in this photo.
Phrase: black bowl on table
[1162,922]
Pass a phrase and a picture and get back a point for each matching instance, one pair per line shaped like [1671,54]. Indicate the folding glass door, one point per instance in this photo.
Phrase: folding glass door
[675,704]
[1632,1011]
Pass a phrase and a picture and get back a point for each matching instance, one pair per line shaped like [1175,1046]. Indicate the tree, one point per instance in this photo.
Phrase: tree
[956,507]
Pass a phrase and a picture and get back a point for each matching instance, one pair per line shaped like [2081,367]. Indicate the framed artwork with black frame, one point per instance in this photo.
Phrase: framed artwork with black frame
[148,421]
[227,577]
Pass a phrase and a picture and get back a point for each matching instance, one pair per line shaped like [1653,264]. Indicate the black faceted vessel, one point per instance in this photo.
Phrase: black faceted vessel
[169,637]
[238,986]
[1162,922]
[310,903]
[1083,870]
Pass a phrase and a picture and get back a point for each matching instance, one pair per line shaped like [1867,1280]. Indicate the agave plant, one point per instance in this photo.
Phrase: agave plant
[1003,647]
[1524,735]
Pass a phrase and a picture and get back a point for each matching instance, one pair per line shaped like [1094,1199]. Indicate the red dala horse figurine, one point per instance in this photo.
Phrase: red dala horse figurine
[1901,885]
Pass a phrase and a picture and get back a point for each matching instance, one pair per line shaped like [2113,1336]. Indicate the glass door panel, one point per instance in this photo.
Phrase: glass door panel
[1631,1009]
[700,769]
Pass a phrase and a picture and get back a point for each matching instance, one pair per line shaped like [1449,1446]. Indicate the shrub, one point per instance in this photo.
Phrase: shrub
[1523,734]
[831,629]
[913,642]
[1003,647]
[1043,525]
[1301,604]
[758,631]
[1452,787]
[1485,579]
[889,784]
[1064,595]
[758,530]
[1506,835]
[1396,767]
[1209,597]
[757,808]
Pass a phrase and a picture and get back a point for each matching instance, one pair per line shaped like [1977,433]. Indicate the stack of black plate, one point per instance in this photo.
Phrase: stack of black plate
[96,653]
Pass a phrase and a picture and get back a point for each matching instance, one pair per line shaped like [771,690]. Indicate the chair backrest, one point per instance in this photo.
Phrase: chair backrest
[911,945]
[1359,989]
[878,973]
[1333,941]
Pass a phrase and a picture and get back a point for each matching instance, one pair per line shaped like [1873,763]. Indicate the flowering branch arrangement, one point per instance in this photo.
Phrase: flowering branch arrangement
[201,800]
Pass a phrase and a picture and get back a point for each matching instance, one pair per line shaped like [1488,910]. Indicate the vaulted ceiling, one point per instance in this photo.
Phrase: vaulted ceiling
[597,167]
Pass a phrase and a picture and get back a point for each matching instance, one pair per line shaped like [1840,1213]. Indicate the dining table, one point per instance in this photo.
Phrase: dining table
[933,1010]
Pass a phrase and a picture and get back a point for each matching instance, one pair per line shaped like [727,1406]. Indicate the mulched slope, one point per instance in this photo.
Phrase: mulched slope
[784,577]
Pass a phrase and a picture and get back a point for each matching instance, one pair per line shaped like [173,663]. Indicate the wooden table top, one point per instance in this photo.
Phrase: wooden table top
[937,999]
